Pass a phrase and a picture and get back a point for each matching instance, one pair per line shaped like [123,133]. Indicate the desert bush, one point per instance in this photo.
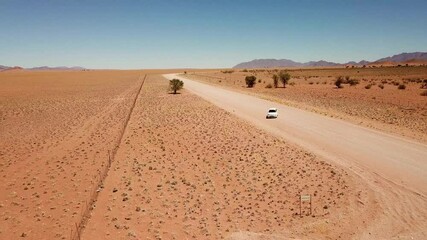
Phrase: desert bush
[250,81]
[269,85]
[401,86]
[228,71]
[284,77]
[368,86]
[381,86]
[353,82]
[259,80]
[175,85]
[311,83]
[245,70]
[339,81]
[275,80]
[292,84]
[424,93]
[424,84]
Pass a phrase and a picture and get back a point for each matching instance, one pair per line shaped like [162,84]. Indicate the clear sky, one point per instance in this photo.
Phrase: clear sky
[205,34]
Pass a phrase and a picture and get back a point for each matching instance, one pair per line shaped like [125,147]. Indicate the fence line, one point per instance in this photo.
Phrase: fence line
[100,178]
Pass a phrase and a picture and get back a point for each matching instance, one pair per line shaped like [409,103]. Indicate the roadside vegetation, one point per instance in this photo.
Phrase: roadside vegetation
[250,81]
[284,77]
[175,85]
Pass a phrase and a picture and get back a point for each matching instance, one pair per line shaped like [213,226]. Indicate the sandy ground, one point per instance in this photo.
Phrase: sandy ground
[400,112]
[189,170]
[393,167]
[180,168]
[56,131]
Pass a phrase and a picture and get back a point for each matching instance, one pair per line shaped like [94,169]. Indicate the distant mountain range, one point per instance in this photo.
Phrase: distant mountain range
[43,68]
[269,63]
[56,68]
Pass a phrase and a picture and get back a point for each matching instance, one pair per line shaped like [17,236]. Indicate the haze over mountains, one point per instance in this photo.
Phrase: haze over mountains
[267,63]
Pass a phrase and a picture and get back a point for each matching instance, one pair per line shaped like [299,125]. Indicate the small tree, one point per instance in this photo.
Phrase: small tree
[275,80]
[175,85]
[284,77]
[250,81]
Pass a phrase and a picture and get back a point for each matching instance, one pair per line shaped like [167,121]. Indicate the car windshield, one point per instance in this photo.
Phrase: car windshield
[272,110]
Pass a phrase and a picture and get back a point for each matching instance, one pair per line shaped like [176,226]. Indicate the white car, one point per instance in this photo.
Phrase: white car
[272,113]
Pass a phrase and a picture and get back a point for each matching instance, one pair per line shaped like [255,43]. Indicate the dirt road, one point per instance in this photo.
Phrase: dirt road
[395,168]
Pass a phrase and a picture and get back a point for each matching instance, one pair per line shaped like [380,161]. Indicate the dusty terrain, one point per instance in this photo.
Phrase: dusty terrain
[187,169]
[392,167]
[401,112]
[56,131]
[112,155]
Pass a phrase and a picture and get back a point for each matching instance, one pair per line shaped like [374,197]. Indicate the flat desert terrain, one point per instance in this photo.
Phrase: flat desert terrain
[114,155]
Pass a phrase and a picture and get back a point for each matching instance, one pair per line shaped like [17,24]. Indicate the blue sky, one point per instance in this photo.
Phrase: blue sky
[205,34]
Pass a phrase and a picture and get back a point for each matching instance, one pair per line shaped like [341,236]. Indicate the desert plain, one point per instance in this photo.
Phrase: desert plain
[113,155]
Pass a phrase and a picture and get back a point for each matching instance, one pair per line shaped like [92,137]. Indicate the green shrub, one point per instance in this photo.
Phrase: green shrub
[284,77]
[275,80]
[250,81]
[175,85]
